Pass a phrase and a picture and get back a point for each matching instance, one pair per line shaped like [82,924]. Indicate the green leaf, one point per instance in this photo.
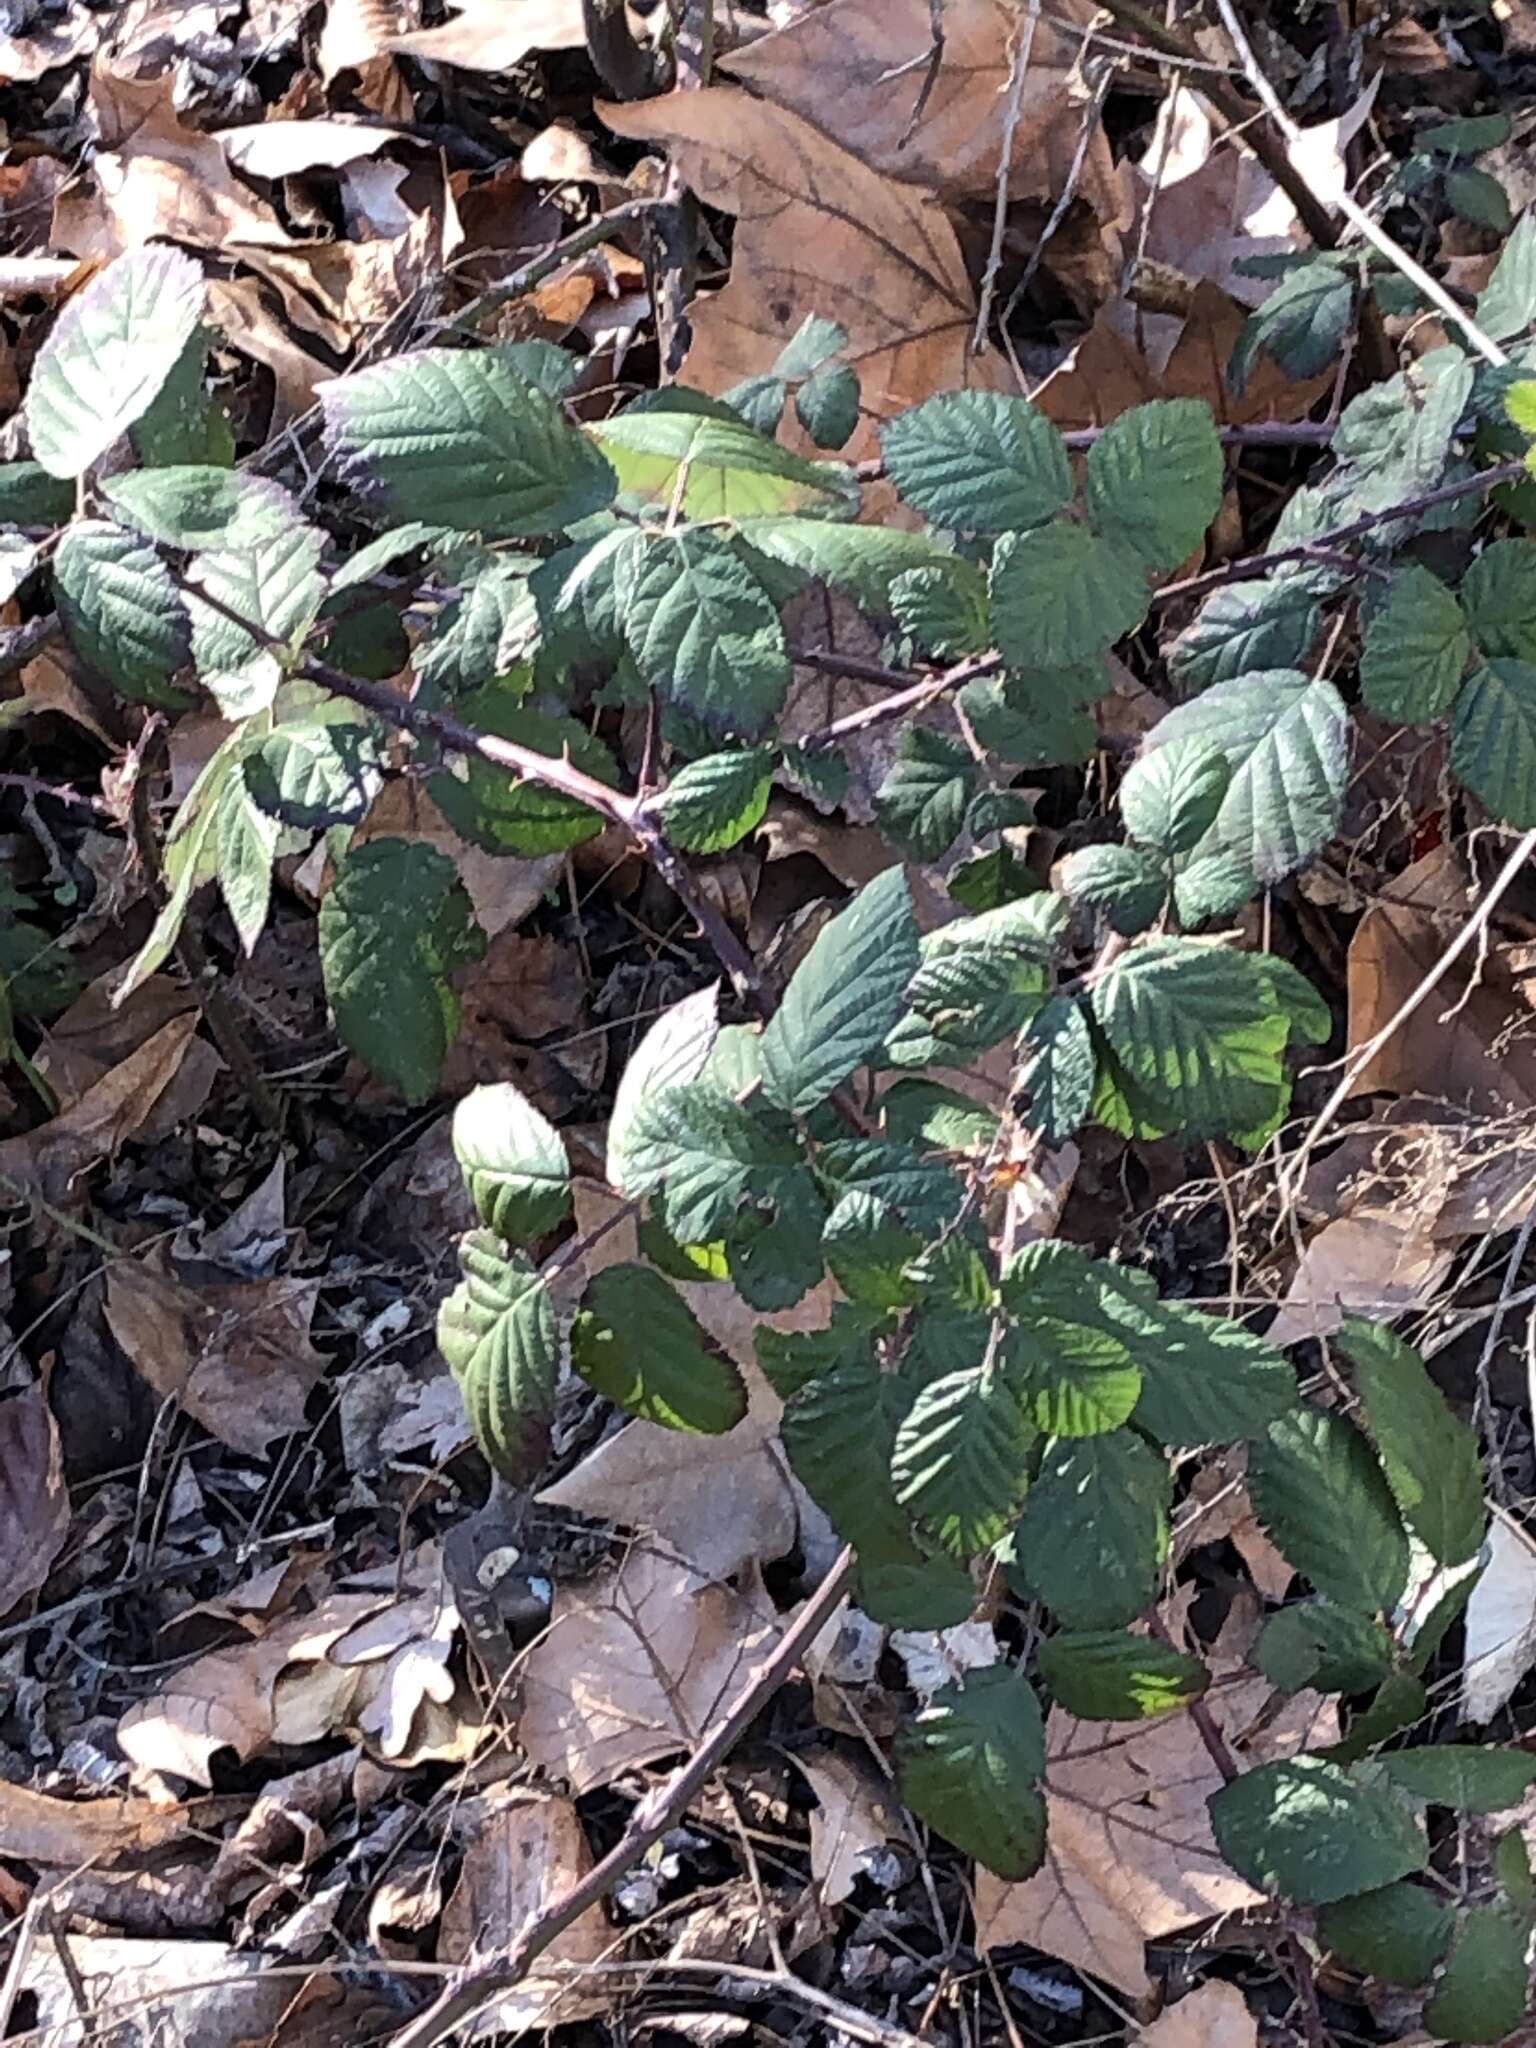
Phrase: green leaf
[637,1342]
[1056,1071]
[274,583]
[199,506]
[1094,1532]
[1482,1991]
[869,1250]
[915,1592]
[961,1464]
[1302,324]
[317,772]
[121,609]
[513,1161]
[502,813]
[1334,1649]
[1211,885]
[1507,303]
[1499,592]
[483,634]
[189,858]
[702,466]
[1172,797]
[1321,1496]
[395,923]
[1416,649]
[864,560]
[1512,1867]
[499,1334]
[1397,1932]
[707,1153]
[1493,739]
[713,803]
[670,1055]
[29,496]
[456,436]
[1061,594]
[1203,1380]
[1393,440]
[970,1766]
[815,341]
[110,351]
[922,802]
[1075,1379]
[839,1434]
[1127,887]
[1028,719]
[1110,1675]
[945,613]
[1463,1775]
[978,462]
[1430,1458]
[1155,479]
[844,998]
[1467,137]
[1478,197]
[1265,624]
[184,422]
[246,846]
[705,633]
[1286,741]
[1312,1832]
[827,404]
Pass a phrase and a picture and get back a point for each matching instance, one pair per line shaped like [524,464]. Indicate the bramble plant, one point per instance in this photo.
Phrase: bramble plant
[972,1404]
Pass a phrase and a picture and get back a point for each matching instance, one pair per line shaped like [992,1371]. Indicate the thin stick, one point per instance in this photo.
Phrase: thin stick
[656,1813]
[1023,44]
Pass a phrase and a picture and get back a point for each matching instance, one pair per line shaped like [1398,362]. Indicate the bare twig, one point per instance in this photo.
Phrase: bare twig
[1024,39]
[658,1811]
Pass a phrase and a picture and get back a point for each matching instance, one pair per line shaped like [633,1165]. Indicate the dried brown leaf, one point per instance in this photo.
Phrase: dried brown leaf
[1214,2015]
[1373,1262]
[493,35]
[854,1813]
[67,1832]
[34,1501]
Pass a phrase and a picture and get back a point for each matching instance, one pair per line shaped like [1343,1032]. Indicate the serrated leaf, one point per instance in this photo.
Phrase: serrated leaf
[1321,1496]
[715,802]
[1302,324]
[1265,624]
[839,1434]
[110,351]
[482,634]
[868,1250]
[456,436]
[275,584]
[498,811]
[1061,594]
[915,1592]
[513,1161]
[1397,1932]
[246,846]
[637,1342]
[1204,1380]
[705,633]
[316,772]
[707,1153]
[1333,1649]
[1155,479]
[979,462]
[1394,438]
[1493,739]
[1110,1675]
[1416,649]
[970,1766]
[1311,1832]
[1056,1071]
[922,802]
[1499,593]
[844,998]
[29,496]
[815,341]
[199,506]
[188,859]
[121,609]
[961,1463]
[184,422]
[1463,1775]
[395,923]
[1094,1532]
[827,404]
[1211,885]
[700,465]
[1172,797]
[945,613]
[1027,720]
[1076,1380]
[1430,1458]
[1127,887]
[1507,304]
[863,560]
[1286,741]
[500,1337]
[1482,1992]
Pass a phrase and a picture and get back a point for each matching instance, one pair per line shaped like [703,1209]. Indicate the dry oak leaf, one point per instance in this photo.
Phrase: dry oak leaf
[1215,2015]
[635,1664]
[525,1849]
[856,69]
[236,1354]
[1130,1856]
[817,231]
[34,1501]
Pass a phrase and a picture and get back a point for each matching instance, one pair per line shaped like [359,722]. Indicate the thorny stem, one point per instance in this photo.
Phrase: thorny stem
[656,1813]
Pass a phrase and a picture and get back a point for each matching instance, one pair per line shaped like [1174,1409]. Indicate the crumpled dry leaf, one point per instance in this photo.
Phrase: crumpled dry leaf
[68,1832]
[235,1354]
[524,1849]
[854,1813]
[1214,2015]
[34,1501]
[635,1663]
[717,1501]
[1500,1643]
[856,67]
[1130,1855]
[816,231]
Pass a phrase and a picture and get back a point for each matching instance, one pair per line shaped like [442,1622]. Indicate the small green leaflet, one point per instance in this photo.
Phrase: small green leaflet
[970,1766]
[1507,305]
[1155,479]
[29,496]
[1482,1993]
[1302,324]
[456,436]
[395,923]
[922,802]
[273,583]
[961,1464]
[708,466]
[1321,1496]
[713,803]
[1061,594]
[978,462]
[1265,624]
[1499,593]
[1172,797]
[200,506]
[1056,1072]
[839,1433]
[513,1161]
[845,996]
[110,351]
[1397,1932]
[1462,1775]
[1416,649]
[1430,1458]
[1094,1532]
[1312,1832]
[638,1342]
[1333,1649]
[502,813]
[1127,887]
[707,1153]
[498,1332]
[1075,1379]
[319,771]
[1111,1675]
[121,609]
[704,631]
[1493,739]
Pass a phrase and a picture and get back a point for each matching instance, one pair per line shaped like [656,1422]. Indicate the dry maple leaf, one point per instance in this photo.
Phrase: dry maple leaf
[817,231]
[635,1663]
[1130,1855]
